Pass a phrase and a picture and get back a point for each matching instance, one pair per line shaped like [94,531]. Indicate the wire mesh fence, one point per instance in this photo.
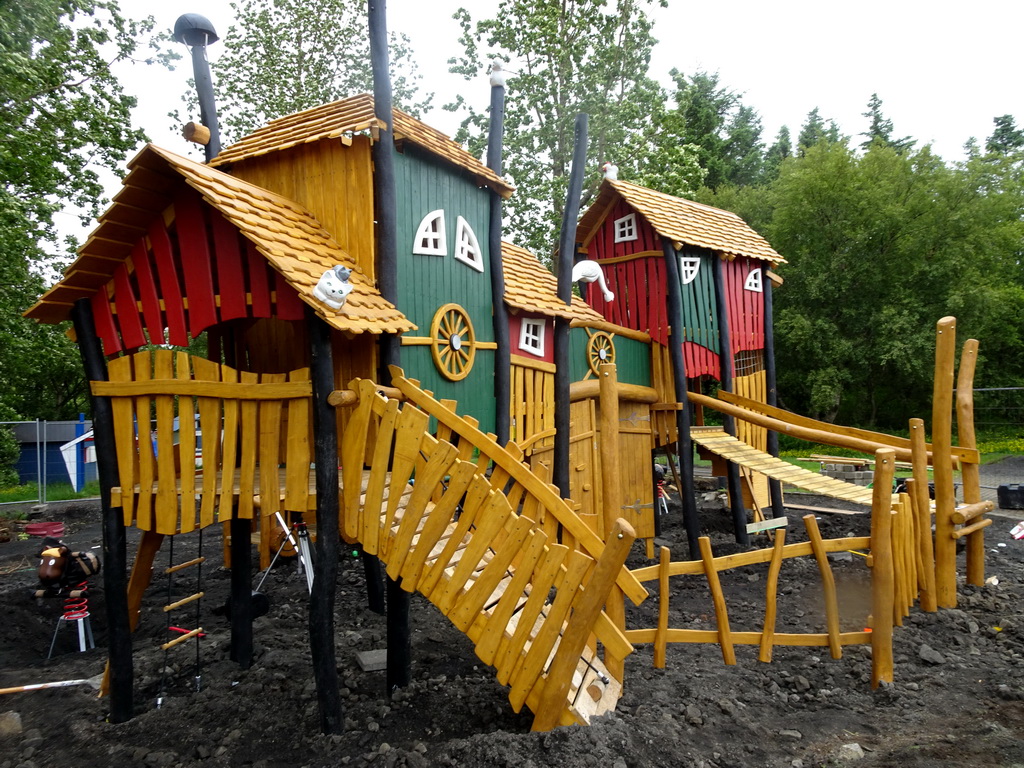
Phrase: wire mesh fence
[55,460]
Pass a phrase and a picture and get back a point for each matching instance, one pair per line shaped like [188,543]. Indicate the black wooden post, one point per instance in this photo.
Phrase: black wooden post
[399,643]
[325,564]
[503,353]
[739,512]
[241,591]
[566,254]
[674,299]
[115,556]
[774,486]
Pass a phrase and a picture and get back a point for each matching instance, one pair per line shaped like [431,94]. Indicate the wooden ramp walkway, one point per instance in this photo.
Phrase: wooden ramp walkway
[738,452]
[454,516]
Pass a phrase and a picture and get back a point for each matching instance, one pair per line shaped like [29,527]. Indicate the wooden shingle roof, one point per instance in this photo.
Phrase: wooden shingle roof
[530,287]
[285,233]
[684,222]
[340,120]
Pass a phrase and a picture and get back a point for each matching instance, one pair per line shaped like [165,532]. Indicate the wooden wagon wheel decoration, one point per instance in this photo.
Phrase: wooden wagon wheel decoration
[600,350]
[452,342]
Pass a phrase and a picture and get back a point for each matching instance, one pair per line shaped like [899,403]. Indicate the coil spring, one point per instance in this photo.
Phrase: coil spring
[77,607]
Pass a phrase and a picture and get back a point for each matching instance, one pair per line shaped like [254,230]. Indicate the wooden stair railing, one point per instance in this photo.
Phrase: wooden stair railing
[477,553]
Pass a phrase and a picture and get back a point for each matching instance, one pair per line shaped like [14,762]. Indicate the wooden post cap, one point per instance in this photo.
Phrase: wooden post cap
[196,133]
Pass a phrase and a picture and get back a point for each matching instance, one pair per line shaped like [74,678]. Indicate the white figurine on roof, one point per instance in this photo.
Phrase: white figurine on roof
[333,288]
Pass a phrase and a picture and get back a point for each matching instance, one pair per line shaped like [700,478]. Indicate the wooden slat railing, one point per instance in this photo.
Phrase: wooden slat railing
[447,529]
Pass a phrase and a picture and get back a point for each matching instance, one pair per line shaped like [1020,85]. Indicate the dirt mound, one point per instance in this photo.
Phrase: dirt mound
[958,698]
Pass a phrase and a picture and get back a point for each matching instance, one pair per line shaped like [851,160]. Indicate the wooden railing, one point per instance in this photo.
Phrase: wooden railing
[454,516]
[892,551]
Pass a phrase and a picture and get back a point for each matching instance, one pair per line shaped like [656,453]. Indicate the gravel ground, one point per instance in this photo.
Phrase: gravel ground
[958,697]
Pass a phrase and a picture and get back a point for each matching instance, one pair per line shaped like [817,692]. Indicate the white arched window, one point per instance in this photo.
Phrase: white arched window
[467,249]
[689,266]
[753,281]
[430,235]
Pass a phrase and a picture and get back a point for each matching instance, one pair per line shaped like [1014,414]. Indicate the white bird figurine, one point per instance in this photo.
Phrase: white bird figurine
[611,170]
[497,74]
[589,271]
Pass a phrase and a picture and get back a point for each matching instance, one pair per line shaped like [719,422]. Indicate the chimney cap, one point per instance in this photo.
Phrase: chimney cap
[194,29]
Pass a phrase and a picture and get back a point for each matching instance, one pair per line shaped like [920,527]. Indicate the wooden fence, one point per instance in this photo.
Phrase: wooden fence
[893,554]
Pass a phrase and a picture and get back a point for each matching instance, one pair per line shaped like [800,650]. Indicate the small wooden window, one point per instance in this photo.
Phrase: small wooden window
[430,235]
[625,228]
[753,281]
[467,249]
[531,337]
[689,266]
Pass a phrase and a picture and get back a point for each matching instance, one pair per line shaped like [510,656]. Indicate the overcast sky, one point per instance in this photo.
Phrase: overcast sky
[943,70]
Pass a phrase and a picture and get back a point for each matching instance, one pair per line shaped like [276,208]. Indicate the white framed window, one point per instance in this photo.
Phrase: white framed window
[625,228]
[689,266]
[531,337]
[753,281]
[467,249]
[430,235]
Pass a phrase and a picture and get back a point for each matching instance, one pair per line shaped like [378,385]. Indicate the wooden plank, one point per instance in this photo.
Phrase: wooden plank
[828,586]
[248,438]
[194,248]
[771,594]
[228,261]
[378,479]
[439,464]
[487,526]
[471,602]
[511,648]
[298,451]
[437,523]
[353,453]
[120,369]
[147,461]
[170,287]
[431,584]
[274,390]
[718,598]
[882,570]
[579,626]
[186,448]
[104,320]
[166,472]
[543,643]
[496,628]
[229,449]
[259,281]
[128,320]
[151,312]
[410,432]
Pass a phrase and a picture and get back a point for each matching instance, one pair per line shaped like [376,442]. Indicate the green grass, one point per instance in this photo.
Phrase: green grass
[54,492]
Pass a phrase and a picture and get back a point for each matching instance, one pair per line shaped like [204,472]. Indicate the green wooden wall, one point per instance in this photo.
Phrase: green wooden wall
[427,282]
[632,358]
[700,316]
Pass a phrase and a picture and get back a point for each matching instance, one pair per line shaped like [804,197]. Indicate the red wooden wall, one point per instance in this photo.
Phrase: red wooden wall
[196,273]
[746,308]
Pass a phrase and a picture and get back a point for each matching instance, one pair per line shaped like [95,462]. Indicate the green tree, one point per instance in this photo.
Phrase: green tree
[815,131]
[880,128]
[781,150]
[283,56]
[564,57]
[879,248]
[713,119]
[63,115]
[1006,137]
